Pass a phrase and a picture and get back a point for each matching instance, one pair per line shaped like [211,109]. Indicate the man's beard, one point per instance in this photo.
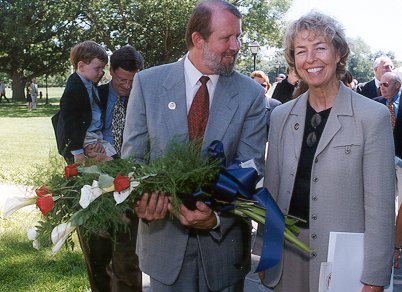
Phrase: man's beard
[213,62]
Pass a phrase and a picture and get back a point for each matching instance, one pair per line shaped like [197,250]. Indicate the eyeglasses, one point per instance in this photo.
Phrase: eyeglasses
[385,84]
[123,81]
[312,137]
[264,85]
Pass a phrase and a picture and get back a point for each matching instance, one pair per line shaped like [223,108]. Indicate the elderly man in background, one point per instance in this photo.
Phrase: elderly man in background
[371,89]
[390,87]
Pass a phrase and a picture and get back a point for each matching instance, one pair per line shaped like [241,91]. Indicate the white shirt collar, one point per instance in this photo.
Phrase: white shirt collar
[193,75]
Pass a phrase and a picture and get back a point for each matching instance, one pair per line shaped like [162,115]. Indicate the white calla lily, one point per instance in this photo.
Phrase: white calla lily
[89,194]
[36,244]
[15,203]
[32,233]
[60,234]
[120,197]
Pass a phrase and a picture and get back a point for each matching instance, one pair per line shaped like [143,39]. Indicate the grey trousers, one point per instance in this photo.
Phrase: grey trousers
[191,277]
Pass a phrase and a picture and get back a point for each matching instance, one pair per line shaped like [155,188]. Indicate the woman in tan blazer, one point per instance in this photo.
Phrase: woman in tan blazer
[330,160]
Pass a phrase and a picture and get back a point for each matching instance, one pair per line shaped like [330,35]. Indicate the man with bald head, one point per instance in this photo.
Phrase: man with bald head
[390,88]
[372,88]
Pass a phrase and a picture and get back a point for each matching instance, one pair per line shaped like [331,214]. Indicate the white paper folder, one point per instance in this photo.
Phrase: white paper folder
[344,265]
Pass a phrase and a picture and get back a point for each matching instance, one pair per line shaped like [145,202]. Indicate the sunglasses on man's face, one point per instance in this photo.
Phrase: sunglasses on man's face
[385,84]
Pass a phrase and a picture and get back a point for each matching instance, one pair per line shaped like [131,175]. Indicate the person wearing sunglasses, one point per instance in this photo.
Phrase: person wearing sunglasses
[261,78]
[330,161]
[371,89]
[390,87]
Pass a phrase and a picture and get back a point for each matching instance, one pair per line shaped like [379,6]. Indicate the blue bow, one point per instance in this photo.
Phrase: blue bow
[233,182]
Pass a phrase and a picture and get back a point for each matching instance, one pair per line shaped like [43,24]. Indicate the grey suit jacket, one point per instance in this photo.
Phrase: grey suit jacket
[352,178]
[237,118]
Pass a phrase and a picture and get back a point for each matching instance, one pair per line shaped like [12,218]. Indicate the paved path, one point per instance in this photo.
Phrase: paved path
[252,285]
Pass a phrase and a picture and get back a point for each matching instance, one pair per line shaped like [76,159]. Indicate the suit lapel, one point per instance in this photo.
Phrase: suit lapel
[223,108]
[342,107]
[297,117]
[174,101]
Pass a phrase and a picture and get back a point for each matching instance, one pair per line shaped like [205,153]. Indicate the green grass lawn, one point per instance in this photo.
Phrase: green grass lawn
[27,141]
[27,138]
[23,268]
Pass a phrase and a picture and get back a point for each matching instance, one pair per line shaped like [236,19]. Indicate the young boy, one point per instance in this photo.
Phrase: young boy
[80,119]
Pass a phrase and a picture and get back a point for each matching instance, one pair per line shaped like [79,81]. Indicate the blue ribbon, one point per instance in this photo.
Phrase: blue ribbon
[234,181]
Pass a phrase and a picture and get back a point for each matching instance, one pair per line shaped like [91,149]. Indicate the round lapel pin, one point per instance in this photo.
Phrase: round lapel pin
[172,105]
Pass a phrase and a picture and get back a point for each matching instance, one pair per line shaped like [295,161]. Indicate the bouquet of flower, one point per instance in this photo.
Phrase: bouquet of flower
[96,197]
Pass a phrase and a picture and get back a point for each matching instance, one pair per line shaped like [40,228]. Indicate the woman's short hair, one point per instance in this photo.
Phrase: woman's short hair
[262,75]
[320,23]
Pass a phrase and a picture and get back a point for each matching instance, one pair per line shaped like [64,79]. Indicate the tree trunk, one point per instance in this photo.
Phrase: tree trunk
[18,87]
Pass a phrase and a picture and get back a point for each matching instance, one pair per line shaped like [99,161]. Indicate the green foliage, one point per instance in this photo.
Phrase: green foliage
[182,170]
[39,35]
[264,20]
[46,30]
[361,59]
[160,36]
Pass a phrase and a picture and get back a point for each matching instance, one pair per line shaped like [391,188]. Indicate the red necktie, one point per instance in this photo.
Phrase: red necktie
[199,111]
[392,112]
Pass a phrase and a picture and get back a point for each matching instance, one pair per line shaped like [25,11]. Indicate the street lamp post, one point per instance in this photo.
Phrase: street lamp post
[254,48]
[47,94]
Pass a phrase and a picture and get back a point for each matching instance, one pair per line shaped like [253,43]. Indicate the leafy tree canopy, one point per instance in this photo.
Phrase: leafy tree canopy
[40,33]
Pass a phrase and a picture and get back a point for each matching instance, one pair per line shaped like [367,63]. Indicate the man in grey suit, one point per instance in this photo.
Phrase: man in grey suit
[371,89]
[196,250]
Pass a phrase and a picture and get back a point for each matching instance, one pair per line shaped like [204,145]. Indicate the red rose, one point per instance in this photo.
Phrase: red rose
[70,170]
[121,183]
[42,191]
[45,204]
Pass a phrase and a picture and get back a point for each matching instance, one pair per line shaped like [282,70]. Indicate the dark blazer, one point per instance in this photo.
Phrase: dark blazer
[283,91]
[71,122]
[104,97]
[397,129]
[103,91]
[368,89]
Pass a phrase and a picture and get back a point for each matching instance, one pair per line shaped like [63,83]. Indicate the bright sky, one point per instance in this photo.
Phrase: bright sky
[377,22]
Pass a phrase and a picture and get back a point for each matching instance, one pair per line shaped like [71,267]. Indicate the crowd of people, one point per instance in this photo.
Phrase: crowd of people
[330,160]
